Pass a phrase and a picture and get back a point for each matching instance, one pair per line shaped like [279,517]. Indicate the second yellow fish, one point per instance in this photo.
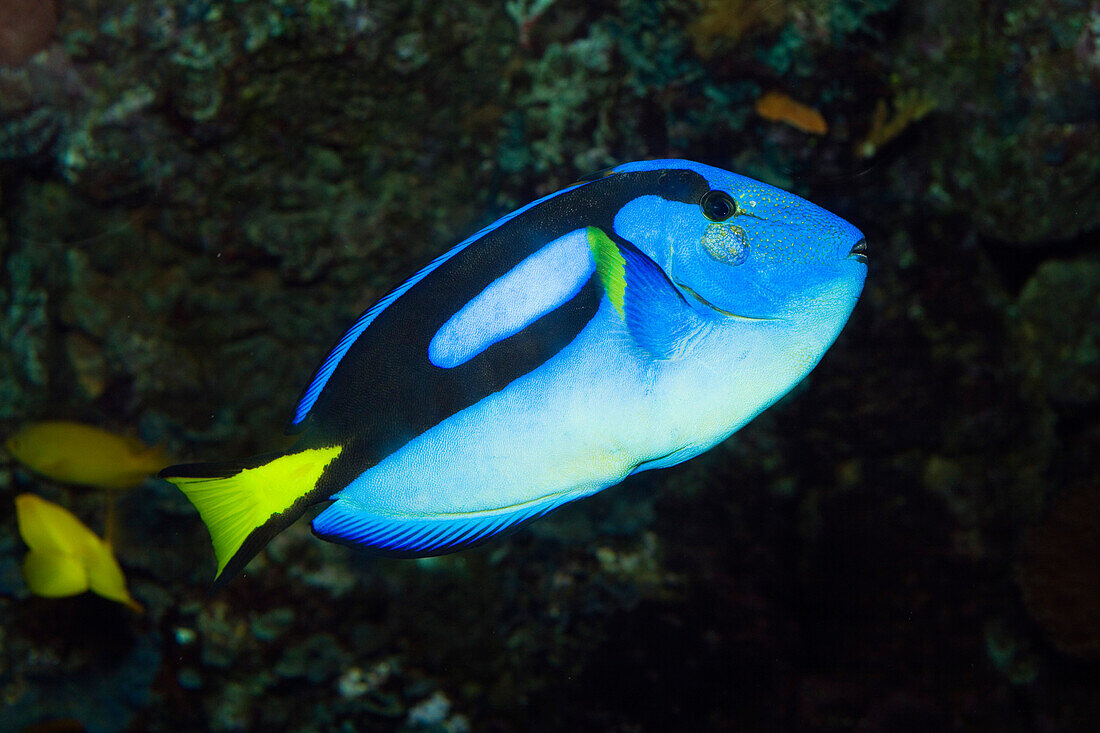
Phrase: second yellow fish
[66,558]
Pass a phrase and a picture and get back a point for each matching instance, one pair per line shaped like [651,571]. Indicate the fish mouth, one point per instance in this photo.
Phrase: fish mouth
[859,251]
[722,311]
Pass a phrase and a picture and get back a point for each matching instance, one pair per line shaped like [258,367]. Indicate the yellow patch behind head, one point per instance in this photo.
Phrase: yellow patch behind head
[610,265]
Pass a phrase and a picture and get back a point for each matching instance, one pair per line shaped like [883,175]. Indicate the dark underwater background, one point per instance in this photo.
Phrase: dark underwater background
[198,197]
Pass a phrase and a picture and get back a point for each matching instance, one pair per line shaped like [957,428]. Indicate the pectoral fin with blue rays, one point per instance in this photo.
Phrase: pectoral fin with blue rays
[630,321]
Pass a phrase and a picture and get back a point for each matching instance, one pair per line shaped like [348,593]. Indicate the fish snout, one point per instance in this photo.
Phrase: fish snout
[859,251]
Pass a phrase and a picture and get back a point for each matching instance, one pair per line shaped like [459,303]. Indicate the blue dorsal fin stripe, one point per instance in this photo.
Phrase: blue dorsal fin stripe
[328,366]
[656,314]
[416,536]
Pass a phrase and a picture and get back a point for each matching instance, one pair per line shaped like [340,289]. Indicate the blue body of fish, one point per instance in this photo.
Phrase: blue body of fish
[628,322]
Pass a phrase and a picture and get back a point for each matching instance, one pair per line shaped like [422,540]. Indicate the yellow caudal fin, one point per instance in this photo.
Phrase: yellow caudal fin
[245,504]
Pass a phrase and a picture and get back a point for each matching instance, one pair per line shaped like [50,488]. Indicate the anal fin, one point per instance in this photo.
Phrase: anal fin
[423,535]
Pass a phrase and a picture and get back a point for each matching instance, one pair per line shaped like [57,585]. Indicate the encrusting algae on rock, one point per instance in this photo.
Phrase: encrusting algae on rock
[66,558]
[908,107]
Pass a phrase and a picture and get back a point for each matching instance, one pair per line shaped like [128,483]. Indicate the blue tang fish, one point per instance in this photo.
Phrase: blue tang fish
[630,321]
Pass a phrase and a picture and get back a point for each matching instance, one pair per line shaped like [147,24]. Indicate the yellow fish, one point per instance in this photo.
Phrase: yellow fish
[66,558]
[80,454]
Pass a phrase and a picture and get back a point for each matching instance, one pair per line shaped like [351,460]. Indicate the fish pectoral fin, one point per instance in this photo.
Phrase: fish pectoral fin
[654,311]
[345,522]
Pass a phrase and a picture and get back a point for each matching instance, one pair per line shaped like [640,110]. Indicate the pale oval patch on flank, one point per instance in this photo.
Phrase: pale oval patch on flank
[536,286]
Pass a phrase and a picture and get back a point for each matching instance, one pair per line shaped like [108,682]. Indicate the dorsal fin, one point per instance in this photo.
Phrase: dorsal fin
[328,366]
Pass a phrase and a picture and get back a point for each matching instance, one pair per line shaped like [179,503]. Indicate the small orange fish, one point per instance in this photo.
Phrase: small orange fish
[66,558]
[779,107]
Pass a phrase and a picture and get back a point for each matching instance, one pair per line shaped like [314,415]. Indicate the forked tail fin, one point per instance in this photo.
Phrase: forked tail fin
[246,503]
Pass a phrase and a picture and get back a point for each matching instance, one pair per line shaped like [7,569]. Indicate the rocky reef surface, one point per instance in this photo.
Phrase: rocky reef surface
[197,197]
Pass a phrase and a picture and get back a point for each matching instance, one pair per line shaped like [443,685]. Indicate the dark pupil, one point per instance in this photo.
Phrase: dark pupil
[717,206]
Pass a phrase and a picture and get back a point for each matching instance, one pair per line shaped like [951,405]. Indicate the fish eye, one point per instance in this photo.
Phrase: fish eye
[718,205]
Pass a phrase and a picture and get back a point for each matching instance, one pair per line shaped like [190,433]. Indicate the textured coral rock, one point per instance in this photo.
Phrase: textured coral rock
[1058,573]
[26,27]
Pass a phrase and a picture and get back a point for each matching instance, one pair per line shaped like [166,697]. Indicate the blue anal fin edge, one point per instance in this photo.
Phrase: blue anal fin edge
[421,536]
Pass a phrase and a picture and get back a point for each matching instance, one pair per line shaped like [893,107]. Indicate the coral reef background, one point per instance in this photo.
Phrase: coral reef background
[197,197]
